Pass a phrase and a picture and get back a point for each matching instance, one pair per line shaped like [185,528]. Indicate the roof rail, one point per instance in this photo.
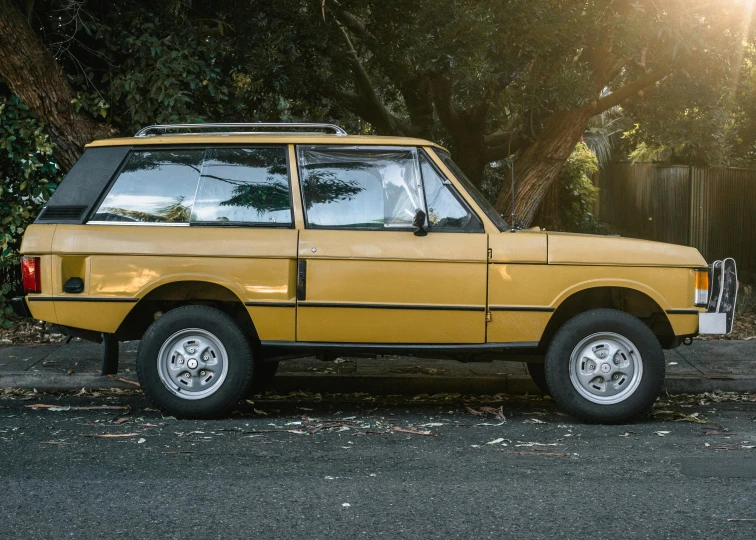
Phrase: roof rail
[178,129]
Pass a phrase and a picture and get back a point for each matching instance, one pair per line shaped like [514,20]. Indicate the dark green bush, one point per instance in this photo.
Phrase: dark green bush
[28,176]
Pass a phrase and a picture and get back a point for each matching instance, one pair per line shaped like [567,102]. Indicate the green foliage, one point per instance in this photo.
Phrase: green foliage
[29,174]
[577,192]
[150,67]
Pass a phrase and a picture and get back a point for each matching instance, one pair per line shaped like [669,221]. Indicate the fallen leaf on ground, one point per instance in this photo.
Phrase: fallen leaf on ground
[474,412]
[113,435]
[69,408]
[414,431]
[124,380]
[662,433]
[497,413]
[531,444]
[495,441]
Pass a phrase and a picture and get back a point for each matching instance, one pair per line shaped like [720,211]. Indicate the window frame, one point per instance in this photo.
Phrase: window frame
[368,147]
[455,193]
[204,148]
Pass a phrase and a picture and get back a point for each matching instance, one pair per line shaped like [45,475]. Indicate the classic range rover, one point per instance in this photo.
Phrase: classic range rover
[226,250]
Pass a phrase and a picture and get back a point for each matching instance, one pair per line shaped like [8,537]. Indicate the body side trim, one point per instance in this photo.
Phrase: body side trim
[522,308]
[391,306]
[402,346]
[82,299]
[271,304]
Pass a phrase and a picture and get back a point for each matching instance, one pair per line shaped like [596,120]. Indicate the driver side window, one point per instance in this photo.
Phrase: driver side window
[359,188]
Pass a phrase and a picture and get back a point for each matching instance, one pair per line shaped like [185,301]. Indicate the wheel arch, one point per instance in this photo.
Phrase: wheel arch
[641,302]
[166,295]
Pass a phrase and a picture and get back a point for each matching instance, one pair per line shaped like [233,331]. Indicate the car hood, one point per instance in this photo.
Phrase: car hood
[570,248]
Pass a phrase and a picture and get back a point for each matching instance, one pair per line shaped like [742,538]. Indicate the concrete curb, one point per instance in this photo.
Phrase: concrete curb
[376,384]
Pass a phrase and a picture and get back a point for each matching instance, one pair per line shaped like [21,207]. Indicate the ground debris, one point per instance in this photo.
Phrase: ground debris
[497,413]
[135,383]
[679,416]
[59,408]
[415,431]
[112,435]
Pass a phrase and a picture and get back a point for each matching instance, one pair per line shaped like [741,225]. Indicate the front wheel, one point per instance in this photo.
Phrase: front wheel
[605,366]
[194,362]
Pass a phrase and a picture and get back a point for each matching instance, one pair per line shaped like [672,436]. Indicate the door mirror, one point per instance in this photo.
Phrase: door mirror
[419,223]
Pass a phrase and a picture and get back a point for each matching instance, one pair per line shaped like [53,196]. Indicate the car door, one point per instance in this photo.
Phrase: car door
[364,275]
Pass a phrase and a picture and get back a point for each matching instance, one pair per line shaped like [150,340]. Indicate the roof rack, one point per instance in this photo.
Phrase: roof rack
[178,129]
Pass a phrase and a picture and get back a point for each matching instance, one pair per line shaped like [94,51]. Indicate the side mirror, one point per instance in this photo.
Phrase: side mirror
[419,223]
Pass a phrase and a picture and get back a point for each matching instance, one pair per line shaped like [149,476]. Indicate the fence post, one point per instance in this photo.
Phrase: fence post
[691,211]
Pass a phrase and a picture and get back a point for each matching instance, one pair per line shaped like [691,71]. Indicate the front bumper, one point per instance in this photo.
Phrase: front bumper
[19,306]
[723,295]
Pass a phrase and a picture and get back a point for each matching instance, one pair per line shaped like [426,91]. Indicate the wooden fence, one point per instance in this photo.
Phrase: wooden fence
[713,210]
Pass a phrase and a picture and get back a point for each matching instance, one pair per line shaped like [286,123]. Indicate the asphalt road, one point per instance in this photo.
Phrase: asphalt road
[343,467]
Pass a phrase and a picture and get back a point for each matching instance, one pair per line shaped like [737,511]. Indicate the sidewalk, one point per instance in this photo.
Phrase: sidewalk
[705,366]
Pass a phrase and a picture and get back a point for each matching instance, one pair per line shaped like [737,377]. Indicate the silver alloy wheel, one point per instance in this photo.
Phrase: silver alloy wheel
[606,368]
[192,363]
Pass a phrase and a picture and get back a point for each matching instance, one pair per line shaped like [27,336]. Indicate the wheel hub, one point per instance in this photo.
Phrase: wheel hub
[605,368]
[192,363]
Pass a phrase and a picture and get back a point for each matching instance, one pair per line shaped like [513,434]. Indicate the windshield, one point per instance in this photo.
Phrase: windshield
[477,196]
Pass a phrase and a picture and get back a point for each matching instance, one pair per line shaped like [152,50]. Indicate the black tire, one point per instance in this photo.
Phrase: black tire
[264,373]
[580,327]
[226,331]
[538,374]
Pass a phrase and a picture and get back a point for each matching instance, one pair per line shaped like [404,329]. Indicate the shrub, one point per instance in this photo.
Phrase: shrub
[28,176]
[577,192]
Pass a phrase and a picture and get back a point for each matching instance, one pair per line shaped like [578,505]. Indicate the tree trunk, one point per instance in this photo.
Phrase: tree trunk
[32,73]
[469,156]
[537,166]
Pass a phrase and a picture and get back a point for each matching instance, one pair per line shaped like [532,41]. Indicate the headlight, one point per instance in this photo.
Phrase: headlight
[702,288]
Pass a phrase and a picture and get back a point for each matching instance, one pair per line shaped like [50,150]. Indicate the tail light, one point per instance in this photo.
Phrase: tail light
[30,274]
[702,288]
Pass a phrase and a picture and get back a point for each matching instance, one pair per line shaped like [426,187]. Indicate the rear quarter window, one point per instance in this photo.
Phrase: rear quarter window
[219,186]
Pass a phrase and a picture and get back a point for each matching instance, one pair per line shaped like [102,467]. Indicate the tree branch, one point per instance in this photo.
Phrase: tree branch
[627,91]
[370,106]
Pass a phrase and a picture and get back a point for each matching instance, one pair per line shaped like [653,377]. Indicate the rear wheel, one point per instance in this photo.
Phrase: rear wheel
[194,362]
[605,366]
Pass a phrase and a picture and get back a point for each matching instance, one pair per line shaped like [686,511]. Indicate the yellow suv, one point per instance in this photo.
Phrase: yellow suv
[225,249]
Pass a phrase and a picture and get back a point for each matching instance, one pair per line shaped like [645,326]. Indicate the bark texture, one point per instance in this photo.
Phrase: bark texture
[32,73]
[537,167]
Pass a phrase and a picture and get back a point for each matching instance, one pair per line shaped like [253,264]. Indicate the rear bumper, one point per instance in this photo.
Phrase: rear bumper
[19,306]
